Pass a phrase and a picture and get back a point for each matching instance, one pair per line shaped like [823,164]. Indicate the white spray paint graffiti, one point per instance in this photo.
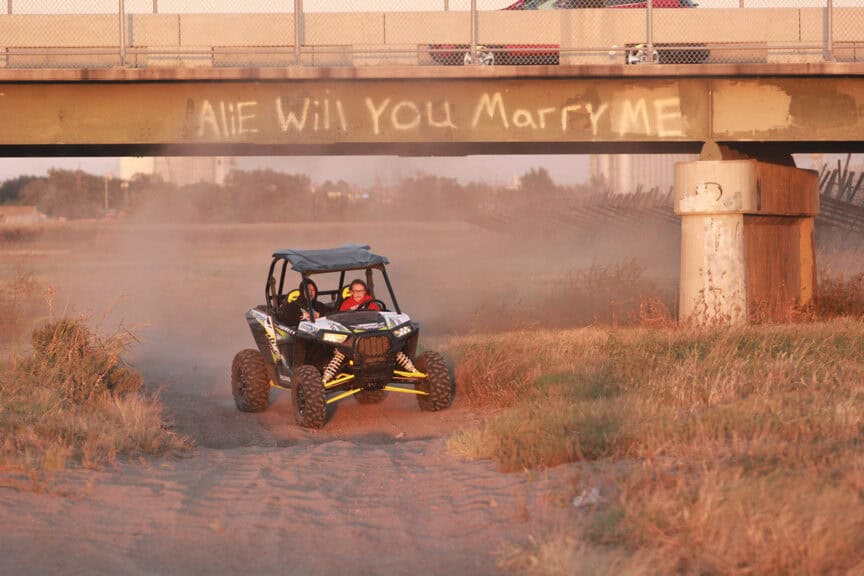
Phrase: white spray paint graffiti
[405,115]
[321,117]
[226,119]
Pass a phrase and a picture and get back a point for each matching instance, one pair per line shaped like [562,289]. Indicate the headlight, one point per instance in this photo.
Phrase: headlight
[334,338]
[403,331]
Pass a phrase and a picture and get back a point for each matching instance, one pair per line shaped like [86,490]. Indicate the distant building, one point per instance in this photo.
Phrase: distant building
[625,174]
[179,170]
[20,215]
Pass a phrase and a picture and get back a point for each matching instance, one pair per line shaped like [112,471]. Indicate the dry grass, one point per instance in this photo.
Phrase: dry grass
[840,295]
[741,445]
[74,400]
[20,300]
[617,295]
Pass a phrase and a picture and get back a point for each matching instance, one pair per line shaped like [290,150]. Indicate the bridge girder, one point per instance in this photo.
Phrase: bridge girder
[773,115]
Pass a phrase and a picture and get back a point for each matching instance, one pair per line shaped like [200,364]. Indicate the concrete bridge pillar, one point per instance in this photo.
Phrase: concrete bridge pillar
[747,250]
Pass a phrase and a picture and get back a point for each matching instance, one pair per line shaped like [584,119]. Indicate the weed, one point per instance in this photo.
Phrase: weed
[74,400]
[742,445]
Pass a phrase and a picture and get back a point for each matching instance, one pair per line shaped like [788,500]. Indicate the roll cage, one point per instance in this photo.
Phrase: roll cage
[346,258]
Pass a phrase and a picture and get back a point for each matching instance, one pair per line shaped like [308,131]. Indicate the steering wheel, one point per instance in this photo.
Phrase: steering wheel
[365,305]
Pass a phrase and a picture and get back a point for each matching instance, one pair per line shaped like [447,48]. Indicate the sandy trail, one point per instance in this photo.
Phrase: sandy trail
[324,507]
[374,492]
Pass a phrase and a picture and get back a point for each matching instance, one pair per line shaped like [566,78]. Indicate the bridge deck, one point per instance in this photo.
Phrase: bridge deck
[431,110]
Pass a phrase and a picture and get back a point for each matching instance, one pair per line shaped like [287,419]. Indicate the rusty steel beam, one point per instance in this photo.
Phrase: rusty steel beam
[448,115]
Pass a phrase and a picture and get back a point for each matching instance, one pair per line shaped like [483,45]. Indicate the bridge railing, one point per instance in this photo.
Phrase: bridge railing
[149,33]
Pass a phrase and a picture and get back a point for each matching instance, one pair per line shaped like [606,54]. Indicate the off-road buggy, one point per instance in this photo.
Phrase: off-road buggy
[362,353]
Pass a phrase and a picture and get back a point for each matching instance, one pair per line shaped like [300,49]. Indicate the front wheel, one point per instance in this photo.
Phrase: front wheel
[250,382]
[436,384]
[310,403]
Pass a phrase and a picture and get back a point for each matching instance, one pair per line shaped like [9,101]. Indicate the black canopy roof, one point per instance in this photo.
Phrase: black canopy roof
[346,257]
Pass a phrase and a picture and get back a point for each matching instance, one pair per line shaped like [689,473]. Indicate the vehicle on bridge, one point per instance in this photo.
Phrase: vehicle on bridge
[363,353]
[528,54]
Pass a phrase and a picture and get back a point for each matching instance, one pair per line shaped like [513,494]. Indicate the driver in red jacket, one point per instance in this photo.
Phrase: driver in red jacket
[359,296]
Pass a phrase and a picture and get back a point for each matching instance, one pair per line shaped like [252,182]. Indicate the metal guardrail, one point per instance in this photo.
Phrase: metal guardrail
[147,33]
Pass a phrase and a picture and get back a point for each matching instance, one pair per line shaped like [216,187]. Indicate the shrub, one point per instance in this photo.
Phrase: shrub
[74,400]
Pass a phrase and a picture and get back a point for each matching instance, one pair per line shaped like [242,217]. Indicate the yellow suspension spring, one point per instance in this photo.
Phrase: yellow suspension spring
[405,362]
[333,367]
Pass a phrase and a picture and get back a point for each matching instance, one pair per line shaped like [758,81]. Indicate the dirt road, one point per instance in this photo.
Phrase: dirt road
[375,492]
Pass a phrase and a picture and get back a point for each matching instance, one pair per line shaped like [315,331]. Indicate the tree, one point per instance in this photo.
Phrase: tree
[537,181]
[66,193]
[10,190]
[270,196]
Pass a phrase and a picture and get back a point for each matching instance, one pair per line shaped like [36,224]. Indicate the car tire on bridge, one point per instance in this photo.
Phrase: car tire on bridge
[485,57]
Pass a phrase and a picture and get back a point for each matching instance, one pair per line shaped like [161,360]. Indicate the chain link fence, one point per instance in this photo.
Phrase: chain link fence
[59,34]
[217,33]
[188,33]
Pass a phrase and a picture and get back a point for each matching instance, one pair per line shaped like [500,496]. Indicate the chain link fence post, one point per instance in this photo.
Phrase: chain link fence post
[829,32]
[121,17]
[649,32]
[474,25]
[9,6]
[155,6]
[298,31]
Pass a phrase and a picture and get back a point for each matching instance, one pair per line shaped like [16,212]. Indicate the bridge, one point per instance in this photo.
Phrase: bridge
[769,82]
[764,110]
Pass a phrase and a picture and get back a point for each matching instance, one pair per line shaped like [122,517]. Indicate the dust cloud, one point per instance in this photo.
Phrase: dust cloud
[183,287]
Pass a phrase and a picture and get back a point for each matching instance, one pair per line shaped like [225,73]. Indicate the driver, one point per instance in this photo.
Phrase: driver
[359,297]
[292,313]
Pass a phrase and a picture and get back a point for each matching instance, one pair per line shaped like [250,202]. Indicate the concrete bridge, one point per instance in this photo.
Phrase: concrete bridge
[747,212]
[765,111]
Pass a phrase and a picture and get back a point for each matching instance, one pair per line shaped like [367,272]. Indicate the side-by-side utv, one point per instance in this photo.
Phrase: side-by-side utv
[334,354]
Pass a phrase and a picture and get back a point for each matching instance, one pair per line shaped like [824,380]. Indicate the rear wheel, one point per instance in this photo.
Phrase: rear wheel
[307,392]
[371,396]
[436,384]
[250,382]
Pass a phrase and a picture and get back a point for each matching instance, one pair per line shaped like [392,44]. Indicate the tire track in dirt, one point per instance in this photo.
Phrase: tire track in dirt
[316,508]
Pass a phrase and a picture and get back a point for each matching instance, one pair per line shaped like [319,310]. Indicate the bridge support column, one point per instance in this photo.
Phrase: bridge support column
[747,249]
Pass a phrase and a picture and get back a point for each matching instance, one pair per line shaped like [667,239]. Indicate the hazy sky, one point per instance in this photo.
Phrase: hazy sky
[363,170]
